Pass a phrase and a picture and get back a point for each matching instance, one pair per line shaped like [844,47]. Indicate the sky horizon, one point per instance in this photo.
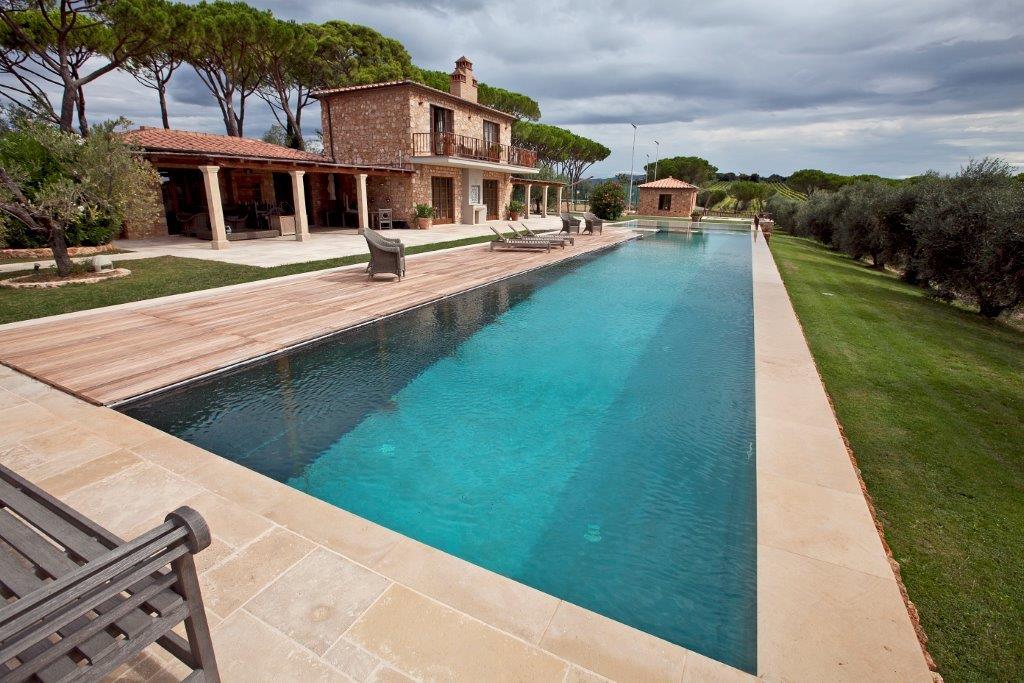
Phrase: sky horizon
[871,87]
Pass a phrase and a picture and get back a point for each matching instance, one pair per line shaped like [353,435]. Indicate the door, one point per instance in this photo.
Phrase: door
[441,198]
[491,199]
[442,129]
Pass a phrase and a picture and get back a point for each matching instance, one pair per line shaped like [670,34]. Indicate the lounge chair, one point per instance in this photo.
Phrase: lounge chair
[564,239]
[387,255]
[515,243]
[569,224]
[594,224]
[79,602]
[554,240]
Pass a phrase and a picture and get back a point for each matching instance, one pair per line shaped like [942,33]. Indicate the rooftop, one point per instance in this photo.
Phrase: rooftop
[670,183]
[171,140]
[391,84]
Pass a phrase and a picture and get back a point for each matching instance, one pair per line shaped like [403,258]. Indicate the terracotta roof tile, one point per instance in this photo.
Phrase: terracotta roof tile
[161,139]
[670,183]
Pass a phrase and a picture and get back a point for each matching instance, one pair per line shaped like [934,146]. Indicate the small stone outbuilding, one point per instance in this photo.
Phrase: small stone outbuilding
[667,197]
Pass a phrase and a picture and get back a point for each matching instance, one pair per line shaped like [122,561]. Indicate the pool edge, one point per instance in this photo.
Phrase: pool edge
[829,603]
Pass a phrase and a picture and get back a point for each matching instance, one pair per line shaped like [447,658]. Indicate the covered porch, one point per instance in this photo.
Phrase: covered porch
[229,190]
[535,193]
[230,200]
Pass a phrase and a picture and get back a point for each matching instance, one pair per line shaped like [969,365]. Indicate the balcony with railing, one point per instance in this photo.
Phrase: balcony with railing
[465,147]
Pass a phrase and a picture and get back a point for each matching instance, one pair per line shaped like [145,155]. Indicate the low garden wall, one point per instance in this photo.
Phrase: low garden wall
[47,253]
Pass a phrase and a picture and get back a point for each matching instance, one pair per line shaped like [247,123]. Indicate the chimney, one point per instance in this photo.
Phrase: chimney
[463,84]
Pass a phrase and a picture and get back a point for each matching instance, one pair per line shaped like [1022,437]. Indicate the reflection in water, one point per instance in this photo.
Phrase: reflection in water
[252,417]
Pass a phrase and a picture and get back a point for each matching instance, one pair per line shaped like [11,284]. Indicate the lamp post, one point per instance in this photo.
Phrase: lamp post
[657,156]
[632,156]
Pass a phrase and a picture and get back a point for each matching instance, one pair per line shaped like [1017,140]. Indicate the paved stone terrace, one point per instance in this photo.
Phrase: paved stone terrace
[125,351]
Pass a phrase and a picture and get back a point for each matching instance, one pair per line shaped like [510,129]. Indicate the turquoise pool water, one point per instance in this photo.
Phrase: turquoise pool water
[586,428]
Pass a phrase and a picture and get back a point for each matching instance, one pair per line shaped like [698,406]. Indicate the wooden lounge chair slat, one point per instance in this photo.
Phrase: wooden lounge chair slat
[19,579]
[80,601]
[85,546]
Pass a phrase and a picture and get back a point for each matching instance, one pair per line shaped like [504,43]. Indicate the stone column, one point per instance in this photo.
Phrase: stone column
[544,202]
[214,209]
[364,213]
[529,187]
[558,196]
[299,195]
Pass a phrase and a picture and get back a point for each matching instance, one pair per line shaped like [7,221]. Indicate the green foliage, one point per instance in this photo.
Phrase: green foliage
[961,234]
[569,154]
[515,207]
[809,180]
[58,186]
[969,233]
[608,200]
[55,49]
[276,135]
[516,104]
[424,211]
[693,170]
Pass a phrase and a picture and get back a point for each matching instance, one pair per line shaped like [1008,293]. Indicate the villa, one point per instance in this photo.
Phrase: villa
[388,147]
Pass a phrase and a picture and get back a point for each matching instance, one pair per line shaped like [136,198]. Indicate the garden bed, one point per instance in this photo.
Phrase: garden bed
[49,279]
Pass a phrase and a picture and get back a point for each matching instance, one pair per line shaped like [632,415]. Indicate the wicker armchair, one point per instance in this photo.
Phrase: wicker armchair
[594,224]
[386,255]
[569,224]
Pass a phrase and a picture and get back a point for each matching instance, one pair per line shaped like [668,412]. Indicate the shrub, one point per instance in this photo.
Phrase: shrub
[709,198]
[515,207]
[783,211]
[424,211]
[968,231]
[608,200]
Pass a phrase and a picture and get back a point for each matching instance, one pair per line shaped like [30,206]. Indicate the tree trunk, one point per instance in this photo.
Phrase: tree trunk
[162,90]
[67,109]
[59,246]
[83,124]
[989,309]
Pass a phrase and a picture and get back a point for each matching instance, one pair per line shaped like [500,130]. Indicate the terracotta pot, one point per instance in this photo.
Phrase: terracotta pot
[423,223]
[513,216]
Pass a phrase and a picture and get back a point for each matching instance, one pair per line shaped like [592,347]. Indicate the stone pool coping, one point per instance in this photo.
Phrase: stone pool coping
[297,587]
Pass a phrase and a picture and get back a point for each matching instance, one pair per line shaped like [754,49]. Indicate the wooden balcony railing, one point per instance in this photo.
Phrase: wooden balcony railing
[465,147]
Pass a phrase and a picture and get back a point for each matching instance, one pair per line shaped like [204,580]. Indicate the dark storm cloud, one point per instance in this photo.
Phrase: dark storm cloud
[870,86]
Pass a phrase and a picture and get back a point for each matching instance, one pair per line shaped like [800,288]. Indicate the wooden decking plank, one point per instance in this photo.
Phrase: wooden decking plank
[122,353]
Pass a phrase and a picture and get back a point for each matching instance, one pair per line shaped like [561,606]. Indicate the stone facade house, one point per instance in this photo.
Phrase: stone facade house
[387,147]
[460,151]
[667,197]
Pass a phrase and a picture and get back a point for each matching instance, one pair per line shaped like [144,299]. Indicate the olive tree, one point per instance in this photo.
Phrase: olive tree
[970,234]
[50,179]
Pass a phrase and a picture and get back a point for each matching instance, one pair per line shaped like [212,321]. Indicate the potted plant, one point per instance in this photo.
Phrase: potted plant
[424,216]
[514,209]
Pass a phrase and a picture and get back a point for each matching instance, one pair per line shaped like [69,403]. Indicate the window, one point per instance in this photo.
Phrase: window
[664,202]
[491,134]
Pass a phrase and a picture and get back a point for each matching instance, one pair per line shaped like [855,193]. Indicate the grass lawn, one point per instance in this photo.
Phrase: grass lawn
[932,400]
[164,276]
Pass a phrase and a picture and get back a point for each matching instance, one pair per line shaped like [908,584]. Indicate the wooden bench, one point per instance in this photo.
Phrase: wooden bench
[80,601]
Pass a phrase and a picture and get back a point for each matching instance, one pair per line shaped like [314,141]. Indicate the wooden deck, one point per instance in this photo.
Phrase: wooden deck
[113,355]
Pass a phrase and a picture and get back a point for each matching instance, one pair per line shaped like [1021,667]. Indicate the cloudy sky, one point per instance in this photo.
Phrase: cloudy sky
[874,86]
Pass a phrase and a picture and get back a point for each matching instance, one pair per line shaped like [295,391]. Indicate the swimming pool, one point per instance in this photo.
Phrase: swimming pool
[585,428]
